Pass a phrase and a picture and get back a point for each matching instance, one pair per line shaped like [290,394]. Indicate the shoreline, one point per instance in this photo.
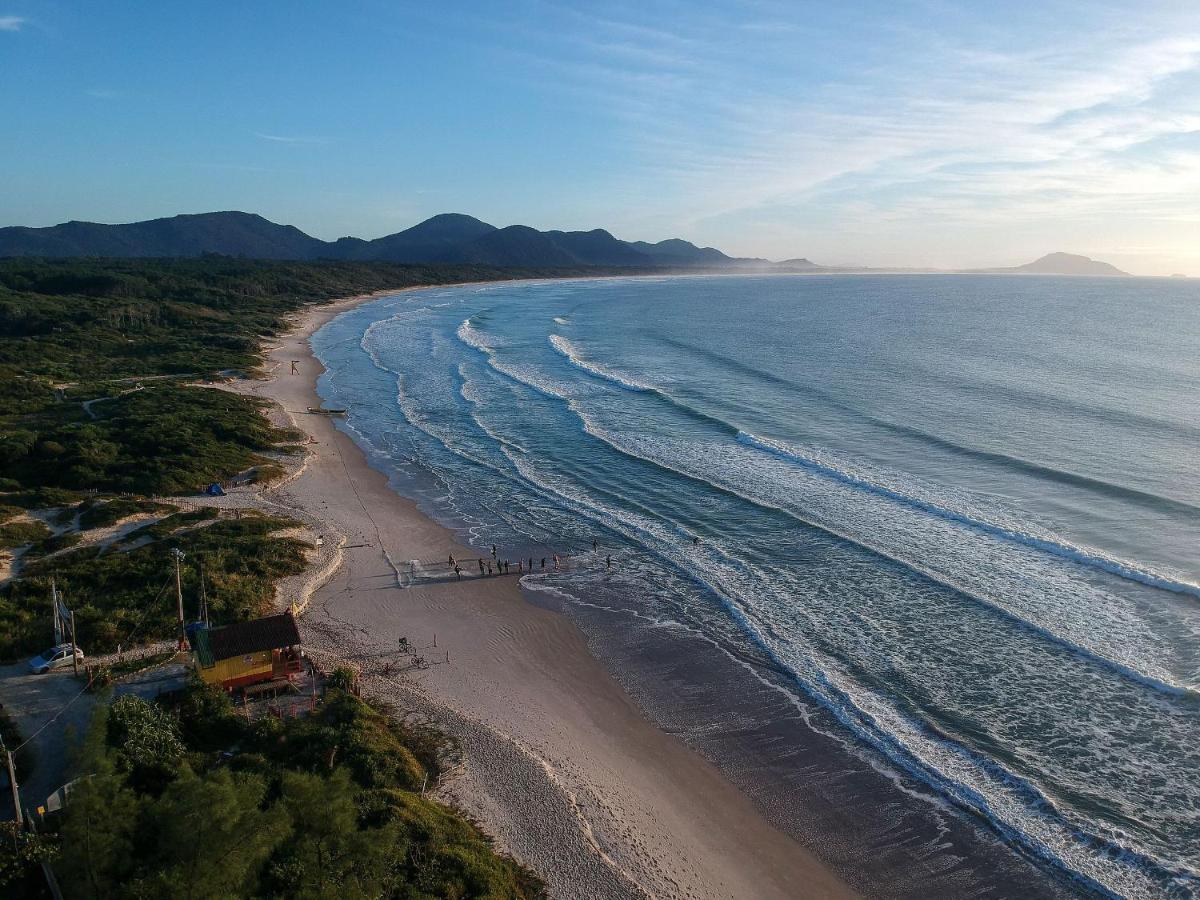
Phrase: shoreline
[558,763]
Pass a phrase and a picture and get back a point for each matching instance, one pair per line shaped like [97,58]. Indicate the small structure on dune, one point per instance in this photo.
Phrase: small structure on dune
[215,490]
[234,656]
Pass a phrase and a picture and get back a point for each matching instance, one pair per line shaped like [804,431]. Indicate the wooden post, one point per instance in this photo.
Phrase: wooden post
[16,794]
[74,647]
[178,554]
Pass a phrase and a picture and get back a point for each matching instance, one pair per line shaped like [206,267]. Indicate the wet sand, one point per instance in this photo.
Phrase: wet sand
[557,762]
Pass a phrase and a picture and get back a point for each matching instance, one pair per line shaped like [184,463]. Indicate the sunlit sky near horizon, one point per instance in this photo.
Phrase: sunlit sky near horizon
[880,133]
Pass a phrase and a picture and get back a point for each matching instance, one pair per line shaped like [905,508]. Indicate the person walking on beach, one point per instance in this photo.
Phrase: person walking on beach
[543,564]
[608,561]
[595,545]
[480,566]
[531,564]
[458,572]
[520,563]
[555,562]
[493,551]
[489,569]
[452,560]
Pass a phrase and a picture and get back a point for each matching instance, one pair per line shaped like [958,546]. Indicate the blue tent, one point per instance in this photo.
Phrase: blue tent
[215,490]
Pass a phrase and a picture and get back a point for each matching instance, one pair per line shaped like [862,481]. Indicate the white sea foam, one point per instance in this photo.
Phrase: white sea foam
[567,349]
[1044,542]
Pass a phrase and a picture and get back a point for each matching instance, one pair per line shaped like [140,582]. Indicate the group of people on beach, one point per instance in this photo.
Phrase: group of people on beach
[498,566]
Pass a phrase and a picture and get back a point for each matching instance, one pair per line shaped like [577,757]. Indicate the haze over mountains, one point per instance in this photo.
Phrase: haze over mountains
[447,238]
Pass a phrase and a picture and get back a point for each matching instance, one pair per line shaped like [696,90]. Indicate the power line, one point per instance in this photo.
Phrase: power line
[137,625]
[52,718]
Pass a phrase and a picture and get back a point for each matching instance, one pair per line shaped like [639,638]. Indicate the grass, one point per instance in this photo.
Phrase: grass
[18,534]
[106,675]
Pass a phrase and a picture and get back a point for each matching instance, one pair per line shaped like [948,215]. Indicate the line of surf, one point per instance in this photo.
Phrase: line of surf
[1063,549]
[1082,555]
[1160,683]
[567,349]
[1085,556]
[1005,460]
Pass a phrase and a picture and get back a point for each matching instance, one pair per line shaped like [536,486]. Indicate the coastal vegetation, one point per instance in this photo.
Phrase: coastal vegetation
[107,406]
[126,593]
[107,401]
[184,797]
[98,359]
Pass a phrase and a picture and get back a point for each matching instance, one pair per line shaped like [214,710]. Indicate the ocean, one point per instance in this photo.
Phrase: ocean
[944,527]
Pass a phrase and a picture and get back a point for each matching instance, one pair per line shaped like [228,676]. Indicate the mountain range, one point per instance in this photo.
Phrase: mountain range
[446,238]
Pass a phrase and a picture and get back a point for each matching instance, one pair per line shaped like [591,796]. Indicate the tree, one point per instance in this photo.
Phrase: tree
[98,830]
[327,856]
[212,837]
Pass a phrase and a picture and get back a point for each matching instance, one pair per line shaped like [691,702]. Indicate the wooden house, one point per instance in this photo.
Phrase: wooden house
[246,653]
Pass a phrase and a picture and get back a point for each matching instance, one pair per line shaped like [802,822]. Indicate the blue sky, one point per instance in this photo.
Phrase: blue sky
[926,132]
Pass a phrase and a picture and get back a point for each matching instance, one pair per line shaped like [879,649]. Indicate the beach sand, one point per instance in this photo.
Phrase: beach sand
[557,762]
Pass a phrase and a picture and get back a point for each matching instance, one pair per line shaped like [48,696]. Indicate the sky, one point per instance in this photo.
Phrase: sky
[872,132]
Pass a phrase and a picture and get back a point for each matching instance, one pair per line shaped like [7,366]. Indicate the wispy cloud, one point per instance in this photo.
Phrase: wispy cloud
[12,23]
[883,125]
[290,138]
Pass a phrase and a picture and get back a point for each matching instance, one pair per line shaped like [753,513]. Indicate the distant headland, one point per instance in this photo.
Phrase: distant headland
[450,238]
[1063,264]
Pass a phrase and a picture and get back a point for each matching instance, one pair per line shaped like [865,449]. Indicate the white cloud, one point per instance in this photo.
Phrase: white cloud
[12,23]
[291,139]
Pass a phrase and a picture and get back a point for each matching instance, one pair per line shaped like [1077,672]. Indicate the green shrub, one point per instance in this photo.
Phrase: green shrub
[53,544]
[17,534]
[104,513]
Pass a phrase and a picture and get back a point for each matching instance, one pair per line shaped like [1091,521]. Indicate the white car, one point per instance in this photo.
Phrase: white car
[54,658]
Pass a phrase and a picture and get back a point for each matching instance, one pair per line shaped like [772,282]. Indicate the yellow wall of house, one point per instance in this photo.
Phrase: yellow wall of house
[237,667]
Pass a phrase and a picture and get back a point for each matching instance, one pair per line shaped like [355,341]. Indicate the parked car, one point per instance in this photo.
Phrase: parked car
[54,658]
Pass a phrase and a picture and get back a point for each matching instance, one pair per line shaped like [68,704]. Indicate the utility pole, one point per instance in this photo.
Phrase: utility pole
[16,792]
[74,647]
[203,595]
[178,554]
[54,609]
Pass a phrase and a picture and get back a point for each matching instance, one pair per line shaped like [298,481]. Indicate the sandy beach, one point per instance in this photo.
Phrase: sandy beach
[557,762]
